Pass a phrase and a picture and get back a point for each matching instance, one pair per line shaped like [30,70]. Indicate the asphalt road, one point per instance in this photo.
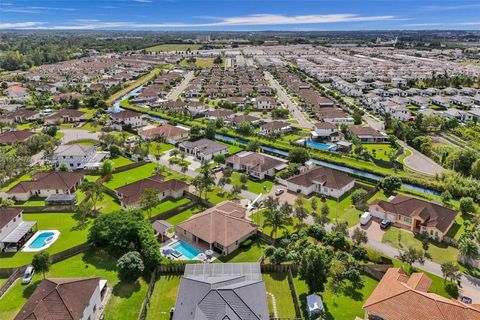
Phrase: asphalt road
[285,100]
[177,91]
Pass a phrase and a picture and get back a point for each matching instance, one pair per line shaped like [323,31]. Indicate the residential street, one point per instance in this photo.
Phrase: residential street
[175,93]
[285,100]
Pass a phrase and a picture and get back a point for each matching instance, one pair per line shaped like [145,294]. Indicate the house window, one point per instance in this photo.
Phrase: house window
[14,219]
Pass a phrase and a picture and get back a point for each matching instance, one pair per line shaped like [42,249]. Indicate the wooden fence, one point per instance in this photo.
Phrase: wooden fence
[129,166]
[293,291]
[146,301]
[17,273]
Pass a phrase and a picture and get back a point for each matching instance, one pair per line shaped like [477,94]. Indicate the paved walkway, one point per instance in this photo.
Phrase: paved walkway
[285,100]
[177,91]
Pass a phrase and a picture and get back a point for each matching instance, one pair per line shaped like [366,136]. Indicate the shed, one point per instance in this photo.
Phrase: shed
[314,305]
[61,199]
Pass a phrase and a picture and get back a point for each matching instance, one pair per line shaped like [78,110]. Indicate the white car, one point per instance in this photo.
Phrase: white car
[28,275]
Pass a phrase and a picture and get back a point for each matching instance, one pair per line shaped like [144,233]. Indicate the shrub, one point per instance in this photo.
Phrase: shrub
[358,195]
[246,244]
[269,251]
[279,256]
[130,266]
[316,231]
[374,255]
[359,253]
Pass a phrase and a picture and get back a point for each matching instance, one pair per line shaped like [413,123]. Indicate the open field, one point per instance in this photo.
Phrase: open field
[186,214]
[173,47]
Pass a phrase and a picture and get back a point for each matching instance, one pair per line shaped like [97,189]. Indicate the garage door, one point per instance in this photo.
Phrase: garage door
[391,217]
[377,214]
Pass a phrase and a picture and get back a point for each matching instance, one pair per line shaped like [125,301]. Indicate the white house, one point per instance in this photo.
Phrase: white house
[256,165]
[14,232]
[203,149]
[127,118]
[77,156]
[265,103]
[325,130]
[275,127]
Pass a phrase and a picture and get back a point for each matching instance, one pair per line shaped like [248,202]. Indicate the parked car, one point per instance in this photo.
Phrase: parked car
[279,192]
[217,169]
[385,224]
[465,299]
[28,275]
[365,218]
[131,139]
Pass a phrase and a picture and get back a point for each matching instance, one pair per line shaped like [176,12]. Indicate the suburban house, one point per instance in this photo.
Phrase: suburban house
[14,136]
[20,116]
[326,131]
[265,103]
[256,165]
[275,127]
[321,180]
[398,296]
[367,134]
[203,149]
[222,291]
[78,156]
[334,115]
[166,132]
[66,116]
[219,113]
[44,184]
[240,118]
[221,228]
[127,118]
[16,93]
[66,298]
[415,215]
[131,194]
[14,232]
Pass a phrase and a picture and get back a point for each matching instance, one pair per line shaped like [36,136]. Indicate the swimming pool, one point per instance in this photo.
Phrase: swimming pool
[186,250]
[41,240]
[323,146]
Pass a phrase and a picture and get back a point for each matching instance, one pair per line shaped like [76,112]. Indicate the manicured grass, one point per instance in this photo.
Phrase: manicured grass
[89,126]
[439,252]
[120,161]
[232,148]
[345,210]
[129,176]
[72,232]
[259,218]
[173,47]
[163,297]
[156,148]
[217,195]
[276,283]
[86,142]
[346,305]
[249,254]
[381,150]
[90,112]
[107,205]
[32,202]
[166,205]
[253,186]
[124,303]
[186,214]
[24,177]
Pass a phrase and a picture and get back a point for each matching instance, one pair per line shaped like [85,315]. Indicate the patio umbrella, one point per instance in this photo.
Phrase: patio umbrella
[202,256]
[167,251]
[209,253]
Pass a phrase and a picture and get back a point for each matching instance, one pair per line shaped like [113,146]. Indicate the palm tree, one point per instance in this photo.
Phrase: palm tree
[286,208]
[276,220]
[271,203]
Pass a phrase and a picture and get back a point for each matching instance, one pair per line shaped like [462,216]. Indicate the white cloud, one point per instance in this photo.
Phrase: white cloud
[15,25]
[143,1]
[250,20]
[452,7]
[32,9]
[433,24]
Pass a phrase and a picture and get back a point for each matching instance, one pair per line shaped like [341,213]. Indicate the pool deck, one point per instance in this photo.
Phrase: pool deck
[202,248]
[26,246]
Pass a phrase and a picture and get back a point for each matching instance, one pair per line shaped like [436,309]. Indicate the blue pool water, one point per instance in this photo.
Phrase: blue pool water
[187,250]
[318,145]
[39,241]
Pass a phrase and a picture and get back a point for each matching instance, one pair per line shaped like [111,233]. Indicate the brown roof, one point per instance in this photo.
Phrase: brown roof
[10,137]
[48,180]
[325,125]
[72,113]
[132,192]
[432,214]
[244,118]
[126,114]
[59,299]
[7,214]
[255,161]
[224,224]
[331,112]
[399,297]
[219,113]
[166,130]
[327,177]
[365,131]
[24,113]
[272,125]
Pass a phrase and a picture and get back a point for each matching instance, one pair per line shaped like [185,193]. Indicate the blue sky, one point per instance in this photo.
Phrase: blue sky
[242,15]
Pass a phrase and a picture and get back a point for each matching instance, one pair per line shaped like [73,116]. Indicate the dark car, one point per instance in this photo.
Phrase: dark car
[466,300]
[385,224]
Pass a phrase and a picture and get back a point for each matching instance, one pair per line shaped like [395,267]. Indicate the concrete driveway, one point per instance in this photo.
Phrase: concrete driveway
[372,229]
[286,196]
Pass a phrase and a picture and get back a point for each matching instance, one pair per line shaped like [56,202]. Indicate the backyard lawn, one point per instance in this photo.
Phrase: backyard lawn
[24,177]
[107,205]
[163,297]
[253,186]
[439,253]
[342,306]
[72,233]
[258,218]
[32,202]
[166,205]
[122,178]
[381,150]
[124,303]
[232,148]
[120,162]
[276,283]
[249,254]
[186,214]
[156,148]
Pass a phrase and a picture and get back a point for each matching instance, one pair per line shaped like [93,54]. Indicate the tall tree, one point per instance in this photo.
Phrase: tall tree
[41,262]
[92,190]
[149,200]
[276,220]
[314,268]
[450,271]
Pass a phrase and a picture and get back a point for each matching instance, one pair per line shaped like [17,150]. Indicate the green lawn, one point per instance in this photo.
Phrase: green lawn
[186,214]
[343,306]
[217,195]
[381,150]
[258,218]
[32,202]
[276,283]
[86,142]
[124,303]
[440,253]
[156,148]
[89,126]
[345,210]
[166,205]
[90,112]
[253,186]
[120,161]
[173,47]
[72,233]
[232,148]
[129,176]
[250,254]
[107,205]
[24,177]
[163,297]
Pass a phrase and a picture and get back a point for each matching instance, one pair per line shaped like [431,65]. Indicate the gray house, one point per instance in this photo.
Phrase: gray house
[233,291]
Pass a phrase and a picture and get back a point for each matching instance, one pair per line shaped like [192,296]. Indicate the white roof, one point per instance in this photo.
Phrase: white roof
[18,232]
